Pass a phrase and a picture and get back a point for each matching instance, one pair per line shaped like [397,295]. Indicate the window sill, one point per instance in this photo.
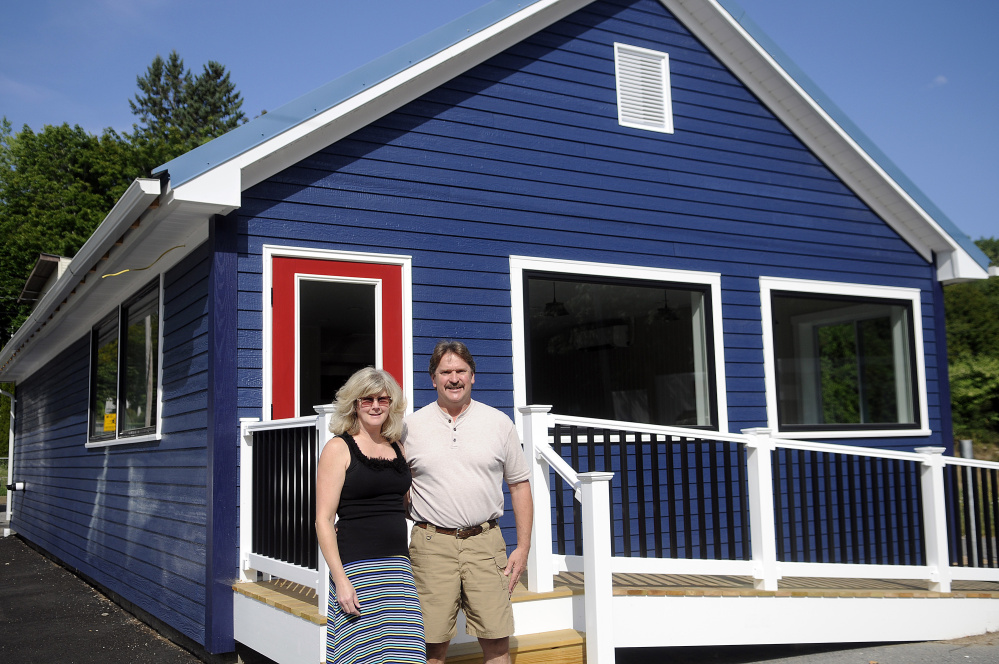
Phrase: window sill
[124,440]
[860,433]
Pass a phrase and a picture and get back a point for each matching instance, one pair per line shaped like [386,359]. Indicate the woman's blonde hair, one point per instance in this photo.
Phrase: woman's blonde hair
[368,382]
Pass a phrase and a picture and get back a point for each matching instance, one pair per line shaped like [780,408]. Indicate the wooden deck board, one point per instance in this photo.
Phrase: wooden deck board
[302,601]
[687,584]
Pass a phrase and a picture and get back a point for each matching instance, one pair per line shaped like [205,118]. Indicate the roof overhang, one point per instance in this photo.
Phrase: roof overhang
[375,91]
[888,194]
[41,273]
[151,217]
[218,172]
[146,222]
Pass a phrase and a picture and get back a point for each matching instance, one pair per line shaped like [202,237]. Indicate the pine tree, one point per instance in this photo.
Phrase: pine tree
[179,111]
[57,185]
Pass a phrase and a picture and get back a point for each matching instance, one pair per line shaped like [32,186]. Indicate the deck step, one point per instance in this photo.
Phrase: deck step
[566,646]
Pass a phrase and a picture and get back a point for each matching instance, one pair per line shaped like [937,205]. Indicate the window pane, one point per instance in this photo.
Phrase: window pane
[139,363]
[337,336]
[843,362]
[632,351]
[104,379]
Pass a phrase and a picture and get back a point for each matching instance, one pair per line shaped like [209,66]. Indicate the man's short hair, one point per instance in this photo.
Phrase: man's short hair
[443,348]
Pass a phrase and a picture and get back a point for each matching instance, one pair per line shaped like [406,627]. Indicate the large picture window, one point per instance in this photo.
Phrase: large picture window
[124,369]
[620,349]
[844,362]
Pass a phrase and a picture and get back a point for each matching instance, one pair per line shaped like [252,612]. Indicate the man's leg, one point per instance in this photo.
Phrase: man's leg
[494,651]
[436,652]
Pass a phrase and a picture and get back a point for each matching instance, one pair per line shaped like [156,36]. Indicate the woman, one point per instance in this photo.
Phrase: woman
[374,613]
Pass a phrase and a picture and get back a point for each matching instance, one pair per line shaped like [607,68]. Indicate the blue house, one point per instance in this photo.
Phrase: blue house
[634,211]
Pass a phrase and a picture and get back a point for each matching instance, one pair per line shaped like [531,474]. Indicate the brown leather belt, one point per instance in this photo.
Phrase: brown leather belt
[460,533]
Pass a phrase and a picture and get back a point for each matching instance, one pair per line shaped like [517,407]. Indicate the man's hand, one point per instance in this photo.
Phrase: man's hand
[523,516]
[516,563]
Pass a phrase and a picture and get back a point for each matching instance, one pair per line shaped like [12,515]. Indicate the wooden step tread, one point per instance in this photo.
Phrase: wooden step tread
[566,646]
[293,598]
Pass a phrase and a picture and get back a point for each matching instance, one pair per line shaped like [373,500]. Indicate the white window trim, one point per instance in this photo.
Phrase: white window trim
[911,295]
[623,79]
[146,437]
[521,264]
[270,252]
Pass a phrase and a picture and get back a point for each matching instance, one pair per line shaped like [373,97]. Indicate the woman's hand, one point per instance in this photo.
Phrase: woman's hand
[347,598]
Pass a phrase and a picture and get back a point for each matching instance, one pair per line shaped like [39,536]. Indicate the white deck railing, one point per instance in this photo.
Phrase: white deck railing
[592,490]
[763,566]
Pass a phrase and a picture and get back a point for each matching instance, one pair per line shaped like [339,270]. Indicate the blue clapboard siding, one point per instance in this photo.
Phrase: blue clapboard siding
[132,516]
[523,155]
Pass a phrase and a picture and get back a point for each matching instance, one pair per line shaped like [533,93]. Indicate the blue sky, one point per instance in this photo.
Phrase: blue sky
[920,78]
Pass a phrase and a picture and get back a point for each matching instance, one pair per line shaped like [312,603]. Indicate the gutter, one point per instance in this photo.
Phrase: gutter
[137,199]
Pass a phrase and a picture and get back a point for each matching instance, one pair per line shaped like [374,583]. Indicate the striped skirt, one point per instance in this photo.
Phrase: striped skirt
[390,627]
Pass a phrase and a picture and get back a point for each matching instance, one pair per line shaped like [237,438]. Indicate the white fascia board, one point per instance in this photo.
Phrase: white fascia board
[218,188]
[728,40]
[957,266]
[224,184]
[129,208]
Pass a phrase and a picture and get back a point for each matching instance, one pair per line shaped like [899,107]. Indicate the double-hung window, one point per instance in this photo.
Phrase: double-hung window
[843,358]
[124,370]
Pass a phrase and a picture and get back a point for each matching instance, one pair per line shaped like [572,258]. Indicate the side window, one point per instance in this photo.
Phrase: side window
[843,361]
[124,369]
[620,349]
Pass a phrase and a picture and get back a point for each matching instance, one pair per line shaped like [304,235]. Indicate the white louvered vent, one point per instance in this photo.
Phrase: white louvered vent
[643,94]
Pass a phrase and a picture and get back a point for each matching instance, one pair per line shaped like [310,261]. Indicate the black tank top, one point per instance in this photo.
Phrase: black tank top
[372,517]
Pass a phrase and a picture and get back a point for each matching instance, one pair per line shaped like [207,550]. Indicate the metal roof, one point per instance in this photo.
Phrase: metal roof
[257,133]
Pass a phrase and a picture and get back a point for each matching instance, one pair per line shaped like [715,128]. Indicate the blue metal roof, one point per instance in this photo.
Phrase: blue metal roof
[265,127]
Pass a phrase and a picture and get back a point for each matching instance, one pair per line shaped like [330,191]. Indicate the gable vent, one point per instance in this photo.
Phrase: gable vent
[643,94]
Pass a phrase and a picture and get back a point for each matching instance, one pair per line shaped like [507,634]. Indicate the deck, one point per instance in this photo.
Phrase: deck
[567,645]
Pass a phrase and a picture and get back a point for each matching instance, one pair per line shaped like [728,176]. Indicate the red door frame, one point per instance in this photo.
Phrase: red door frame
[284,387]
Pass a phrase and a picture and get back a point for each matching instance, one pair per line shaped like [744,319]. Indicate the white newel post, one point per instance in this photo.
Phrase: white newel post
[763,532]
[245,497]
[324,415]
[540,574]
[935,518]
[597,582]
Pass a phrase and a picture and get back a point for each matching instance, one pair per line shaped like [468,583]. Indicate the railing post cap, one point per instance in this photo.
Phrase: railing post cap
[757,431]
[931,449]
[325,408]
[595,476]
[249,419]
[534,408]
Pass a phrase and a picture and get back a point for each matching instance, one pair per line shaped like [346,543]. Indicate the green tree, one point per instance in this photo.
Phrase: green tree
[55,188]
[178,111]
[57,185]
[972,311]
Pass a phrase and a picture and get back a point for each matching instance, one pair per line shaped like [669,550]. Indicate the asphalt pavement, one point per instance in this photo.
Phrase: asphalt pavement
[48,614]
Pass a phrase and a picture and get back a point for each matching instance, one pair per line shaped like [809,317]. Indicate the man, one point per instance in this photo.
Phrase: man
[460,451]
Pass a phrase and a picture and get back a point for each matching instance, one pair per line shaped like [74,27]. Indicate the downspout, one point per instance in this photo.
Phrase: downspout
[10,463]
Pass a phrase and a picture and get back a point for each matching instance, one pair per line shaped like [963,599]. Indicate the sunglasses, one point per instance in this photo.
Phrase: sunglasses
[368,402]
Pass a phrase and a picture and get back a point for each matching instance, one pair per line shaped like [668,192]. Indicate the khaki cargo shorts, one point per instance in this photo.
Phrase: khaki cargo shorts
[454,573]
